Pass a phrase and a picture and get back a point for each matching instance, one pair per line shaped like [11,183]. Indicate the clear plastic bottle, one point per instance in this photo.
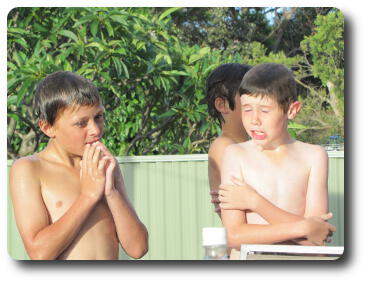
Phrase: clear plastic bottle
[215,243]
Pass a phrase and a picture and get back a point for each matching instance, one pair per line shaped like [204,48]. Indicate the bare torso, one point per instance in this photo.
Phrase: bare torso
[280,176]
[60,186]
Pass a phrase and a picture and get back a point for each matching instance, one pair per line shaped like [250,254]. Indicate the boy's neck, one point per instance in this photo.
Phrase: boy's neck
[235,134]
[53,152]
[278,145]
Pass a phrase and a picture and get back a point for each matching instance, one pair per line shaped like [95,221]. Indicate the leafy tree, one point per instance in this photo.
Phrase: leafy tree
[151,68]
[151,83]
[324,60]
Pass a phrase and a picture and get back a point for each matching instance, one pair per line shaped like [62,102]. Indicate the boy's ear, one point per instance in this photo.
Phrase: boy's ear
[294,109]
[46,128]
[221,105]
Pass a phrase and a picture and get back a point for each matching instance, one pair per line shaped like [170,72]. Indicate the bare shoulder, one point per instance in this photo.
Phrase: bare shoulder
[312,152]
[238,148]
[24,169]
[219,144]
[217,148]
[27,163]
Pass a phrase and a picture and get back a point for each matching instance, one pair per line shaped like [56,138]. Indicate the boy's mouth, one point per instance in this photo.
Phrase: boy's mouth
[91,142]
[258,135]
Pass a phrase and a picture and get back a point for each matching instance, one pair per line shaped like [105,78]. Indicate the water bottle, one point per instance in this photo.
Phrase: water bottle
[215,243]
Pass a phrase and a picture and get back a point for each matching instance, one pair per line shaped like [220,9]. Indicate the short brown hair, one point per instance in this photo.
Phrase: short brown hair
[271,80]
[62,89]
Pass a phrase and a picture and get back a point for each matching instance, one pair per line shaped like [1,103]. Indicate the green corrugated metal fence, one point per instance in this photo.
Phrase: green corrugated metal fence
[171,197]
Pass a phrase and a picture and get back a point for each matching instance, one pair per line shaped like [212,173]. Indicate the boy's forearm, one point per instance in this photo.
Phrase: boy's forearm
[264,234]
[273,214]
[51,241]
[131,232]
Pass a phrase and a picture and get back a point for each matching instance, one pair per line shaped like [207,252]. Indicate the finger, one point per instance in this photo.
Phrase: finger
[110,167]
[217,209]
[223,187]
[237,181]
[105,149]
[215,200]
[90,158]
[332,228]
[85,157]
[96,155]
[329,240]
[214,193]
[222,199]
[102,163]
[224,206]
[326,216]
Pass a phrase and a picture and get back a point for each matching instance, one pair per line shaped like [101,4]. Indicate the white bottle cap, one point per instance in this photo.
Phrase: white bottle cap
[213,236]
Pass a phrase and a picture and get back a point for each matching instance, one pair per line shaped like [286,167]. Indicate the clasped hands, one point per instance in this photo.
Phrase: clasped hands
[97,171]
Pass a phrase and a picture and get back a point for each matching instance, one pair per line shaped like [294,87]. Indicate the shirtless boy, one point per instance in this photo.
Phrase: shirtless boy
[223,102]
[291,176]
[69,199]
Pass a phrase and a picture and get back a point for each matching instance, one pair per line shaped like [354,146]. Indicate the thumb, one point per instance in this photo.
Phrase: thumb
[326,216]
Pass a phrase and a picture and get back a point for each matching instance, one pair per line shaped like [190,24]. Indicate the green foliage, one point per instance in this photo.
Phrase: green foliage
[150,65]
[151,83]
[324,104]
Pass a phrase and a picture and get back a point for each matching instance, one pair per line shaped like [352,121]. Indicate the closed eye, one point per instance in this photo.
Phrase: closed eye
[81,124]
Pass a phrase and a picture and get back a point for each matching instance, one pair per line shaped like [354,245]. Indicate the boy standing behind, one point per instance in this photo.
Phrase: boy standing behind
[223,102]
[291,176]
[69,199]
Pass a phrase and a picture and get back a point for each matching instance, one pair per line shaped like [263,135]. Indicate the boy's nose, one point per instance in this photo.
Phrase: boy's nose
[255,118]
[95,129]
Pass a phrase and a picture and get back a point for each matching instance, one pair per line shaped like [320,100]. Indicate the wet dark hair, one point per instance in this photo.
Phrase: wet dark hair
[60,90]
[270,80]
[224,82]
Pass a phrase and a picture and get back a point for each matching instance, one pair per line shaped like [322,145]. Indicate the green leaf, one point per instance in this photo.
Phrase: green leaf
[96,44]
[167,12]
[293,125]
[83,20]
[12,99]
[39,28]
[174,73]
[109,29]
[119,19]
[23,91]
[94,28]
[125,69]
[197,56]
[118,66]
[69,34]
[167,114]
[21,42]
[13,115]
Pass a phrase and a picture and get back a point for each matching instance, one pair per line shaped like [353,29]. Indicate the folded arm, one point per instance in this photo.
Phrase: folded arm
[285,226]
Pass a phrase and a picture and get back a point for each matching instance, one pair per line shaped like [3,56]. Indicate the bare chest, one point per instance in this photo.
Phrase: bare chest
[60,189]
[283,182]
[97,236]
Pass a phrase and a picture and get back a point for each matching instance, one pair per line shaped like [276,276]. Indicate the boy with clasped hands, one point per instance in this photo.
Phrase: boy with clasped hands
[69,199]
